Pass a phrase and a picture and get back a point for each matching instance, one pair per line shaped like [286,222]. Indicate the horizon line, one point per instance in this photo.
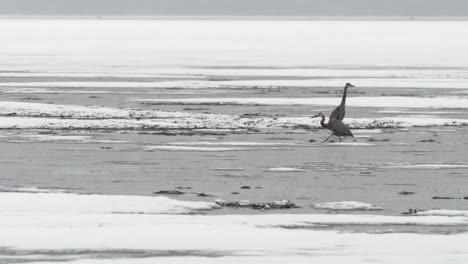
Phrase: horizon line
[236,17]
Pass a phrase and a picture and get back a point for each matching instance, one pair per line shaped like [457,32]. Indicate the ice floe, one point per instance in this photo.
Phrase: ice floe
[39,202]
[347,205]
[279,238]
[226,239]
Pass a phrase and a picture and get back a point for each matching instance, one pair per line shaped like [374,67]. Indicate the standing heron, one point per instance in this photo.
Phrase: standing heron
[335,126]
[339,112]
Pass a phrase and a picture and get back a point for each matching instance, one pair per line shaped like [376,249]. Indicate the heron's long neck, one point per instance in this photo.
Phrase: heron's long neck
[343,99]
[322,122]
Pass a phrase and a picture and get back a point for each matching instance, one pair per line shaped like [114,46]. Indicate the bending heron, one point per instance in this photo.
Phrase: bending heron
[339,112]
[335,126]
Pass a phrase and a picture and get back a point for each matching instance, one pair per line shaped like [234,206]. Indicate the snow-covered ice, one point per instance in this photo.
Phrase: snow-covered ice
[351,144]
[426,166]
[185,148]
[440,212]
[126,63]
[191,84]
[347,205]
[285,169]
[22,201]
[104,227]
[50,116]
[232,143]
[381,101]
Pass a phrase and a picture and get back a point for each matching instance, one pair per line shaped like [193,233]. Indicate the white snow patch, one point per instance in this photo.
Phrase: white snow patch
[351,144]
[360,82]
[184,148]
[227,169]
[400,144]
[67,203]
[295,242]
[71,84]
[29,189]
[427,166]
[72,111]
[67,138]
[426,83]
[440,212]
[417,112]
[347,205]
[381,101]
[285,169]
[17,115]
[231,144]
[367,131]
[45,138]
[442,130]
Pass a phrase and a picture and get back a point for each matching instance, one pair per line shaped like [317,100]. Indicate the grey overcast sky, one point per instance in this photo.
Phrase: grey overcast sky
[237,7]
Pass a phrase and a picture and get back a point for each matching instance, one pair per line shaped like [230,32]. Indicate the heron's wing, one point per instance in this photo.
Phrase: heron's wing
[339,128]
[338,113]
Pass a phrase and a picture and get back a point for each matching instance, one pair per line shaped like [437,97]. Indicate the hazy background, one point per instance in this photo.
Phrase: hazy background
[237,7]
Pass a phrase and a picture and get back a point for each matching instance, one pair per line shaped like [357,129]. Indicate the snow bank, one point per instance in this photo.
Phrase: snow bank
[347,205]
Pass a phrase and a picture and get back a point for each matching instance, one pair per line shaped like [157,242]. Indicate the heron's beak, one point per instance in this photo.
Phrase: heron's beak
[314,116]
[350,85]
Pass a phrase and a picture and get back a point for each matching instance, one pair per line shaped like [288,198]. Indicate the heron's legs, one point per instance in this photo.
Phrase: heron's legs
[339,138]
[327,138]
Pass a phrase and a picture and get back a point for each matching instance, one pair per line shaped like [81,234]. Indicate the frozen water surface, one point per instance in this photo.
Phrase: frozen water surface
[99,115]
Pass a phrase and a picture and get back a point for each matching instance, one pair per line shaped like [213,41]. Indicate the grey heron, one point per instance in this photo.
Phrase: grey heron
[335,126]
[339,112]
